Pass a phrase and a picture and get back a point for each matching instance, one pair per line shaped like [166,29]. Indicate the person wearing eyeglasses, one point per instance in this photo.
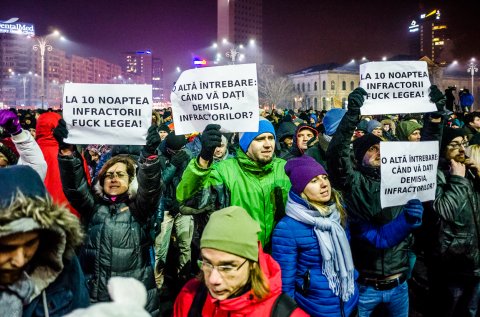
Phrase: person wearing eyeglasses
[236,277]
[454,263]
[116,210]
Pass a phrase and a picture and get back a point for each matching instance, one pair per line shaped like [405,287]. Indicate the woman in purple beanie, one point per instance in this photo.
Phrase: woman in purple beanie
[311,245]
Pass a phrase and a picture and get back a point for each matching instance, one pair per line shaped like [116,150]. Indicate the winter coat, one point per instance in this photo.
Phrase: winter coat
[295,247]
[58,275]
[118,243]
[239,181]
[457,205]
[46,122]
[244,305]
[294,150]
[466,99]
[361,191]
[30,153]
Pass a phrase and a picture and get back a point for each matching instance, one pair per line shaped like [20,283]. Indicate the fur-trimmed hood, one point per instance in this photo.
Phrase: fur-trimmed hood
[60,235]
[132,189]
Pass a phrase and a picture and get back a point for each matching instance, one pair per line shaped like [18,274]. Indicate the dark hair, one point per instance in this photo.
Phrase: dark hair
[129,163]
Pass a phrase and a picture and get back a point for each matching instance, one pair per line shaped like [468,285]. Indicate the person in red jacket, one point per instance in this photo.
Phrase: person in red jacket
[46,122]
[236,277]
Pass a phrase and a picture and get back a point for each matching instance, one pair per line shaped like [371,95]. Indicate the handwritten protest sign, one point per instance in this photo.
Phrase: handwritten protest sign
[224,95]
[409,170]
[107,114]
[395,87]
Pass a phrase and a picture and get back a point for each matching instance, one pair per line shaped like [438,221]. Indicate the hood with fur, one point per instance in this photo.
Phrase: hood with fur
[60,235]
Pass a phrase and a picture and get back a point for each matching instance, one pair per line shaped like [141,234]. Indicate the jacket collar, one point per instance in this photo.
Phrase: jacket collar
[251,166]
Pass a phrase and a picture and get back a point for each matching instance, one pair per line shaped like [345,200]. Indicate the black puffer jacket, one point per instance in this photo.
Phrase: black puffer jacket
[457,204]
[361,190]
[117,242]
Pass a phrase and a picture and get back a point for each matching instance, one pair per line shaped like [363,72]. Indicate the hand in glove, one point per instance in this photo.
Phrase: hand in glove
[60,133]
[179,158]
[153,141]
[9,122]
[211,139]
[356,99]
[413,212]
[437,97]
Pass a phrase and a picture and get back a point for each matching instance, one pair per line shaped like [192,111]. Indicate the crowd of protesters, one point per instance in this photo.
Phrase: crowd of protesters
[286,221]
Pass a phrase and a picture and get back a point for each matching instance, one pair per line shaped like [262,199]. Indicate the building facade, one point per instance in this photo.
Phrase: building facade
[327,86]
[428,36]
[240,22]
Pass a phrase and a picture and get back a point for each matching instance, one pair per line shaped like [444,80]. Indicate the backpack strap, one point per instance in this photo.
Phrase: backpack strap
[198,301]
[284,306]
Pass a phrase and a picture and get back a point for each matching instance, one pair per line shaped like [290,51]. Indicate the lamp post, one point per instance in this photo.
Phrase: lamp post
[472,69]
[42,46]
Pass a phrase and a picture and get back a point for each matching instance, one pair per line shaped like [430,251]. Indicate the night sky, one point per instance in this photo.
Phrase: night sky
[297,33]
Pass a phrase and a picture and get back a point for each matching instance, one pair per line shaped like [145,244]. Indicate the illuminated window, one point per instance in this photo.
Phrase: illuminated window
[332,85]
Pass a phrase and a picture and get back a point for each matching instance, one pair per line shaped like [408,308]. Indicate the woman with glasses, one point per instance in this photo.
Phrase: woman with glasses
[311,245]
[236,278]
[116,211]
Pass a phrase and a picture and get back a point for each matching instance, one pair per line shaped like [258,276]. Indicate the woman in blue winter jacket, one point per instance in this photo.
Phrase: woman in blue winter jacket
[311,244]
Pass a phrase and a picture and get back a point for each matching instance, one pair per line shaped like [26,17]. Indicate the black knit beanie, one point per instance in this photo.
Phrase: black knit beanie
[362,144]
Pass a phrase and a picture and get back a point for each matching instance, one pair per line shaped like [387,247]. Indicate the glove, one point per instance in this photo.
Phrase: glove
[211,139]
[356,99]
[153,141]
[60,133]
[9,122]
[413,212]
[179,158]
[437,97]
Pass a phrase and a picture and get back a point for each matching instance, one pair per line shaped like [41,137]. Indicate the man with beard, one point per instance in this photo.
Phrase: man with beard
[255,179]
[455,260]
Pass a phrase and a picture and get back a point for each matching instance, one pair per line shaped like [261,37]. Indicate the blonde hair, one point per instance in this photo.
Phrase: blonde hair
[323,208]
[473,152]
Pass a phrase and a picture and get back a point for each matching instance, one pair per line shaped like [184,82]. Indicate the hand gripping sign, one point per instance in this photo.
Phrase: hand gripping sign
[225,95]
[395,87]
[408,170]
[107,114]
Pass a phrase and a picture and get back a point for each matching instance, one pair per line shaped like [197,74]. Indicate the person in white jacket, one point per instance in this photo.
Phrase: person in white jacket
[27,148]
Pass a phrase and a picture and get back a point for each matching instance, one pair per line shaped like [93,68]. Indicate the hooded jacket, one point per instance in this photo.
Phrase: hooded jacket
[260,189]
[45,124]
[54,270]
[295,151]
[117,243]
[243,305]
[30,153]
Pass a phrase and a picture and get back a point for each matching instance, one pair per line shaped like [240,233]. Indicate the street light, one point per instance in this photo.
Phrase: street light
[42,46]
[472,69]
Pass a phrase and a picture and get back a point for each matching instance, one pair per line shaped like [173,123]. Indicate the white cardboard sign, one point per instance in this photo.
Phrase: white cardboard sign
[107,114]
[395,87]
[224,95]
[408,171]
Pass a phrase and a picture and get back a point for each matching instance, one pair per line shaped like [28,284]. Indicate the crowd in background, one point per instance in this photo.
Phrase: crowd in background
[305,186]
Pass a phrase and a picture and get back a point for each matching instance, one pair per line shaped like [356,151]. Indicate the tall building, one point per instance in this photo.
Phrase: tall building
[139,64]
[144,67]
[239,22]
[428,36]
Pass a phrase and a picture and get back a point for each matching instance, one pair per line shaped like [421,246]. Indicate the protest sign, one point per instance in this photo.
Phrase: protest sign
[408,170]
[107,114]
[224,95]
[395,87]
